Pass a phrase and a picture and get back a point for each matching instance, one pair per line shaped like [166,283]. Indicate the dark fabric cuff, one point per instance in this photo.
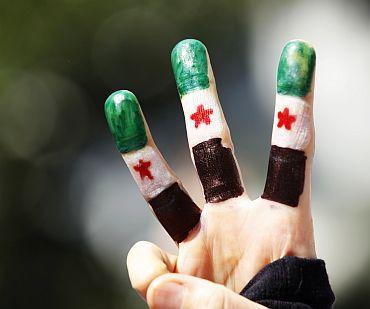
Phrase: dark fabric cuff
[291,282]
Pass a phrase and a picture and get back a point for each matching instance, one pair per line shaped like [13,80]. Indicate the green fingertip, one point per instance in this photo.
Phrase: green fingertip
[296,66]
[189,63]
[125,121]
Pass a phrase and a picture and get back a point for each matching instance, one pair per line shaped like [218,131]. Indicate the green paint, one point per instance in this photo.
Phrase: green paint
[189,63]
[297,63]
[125,121]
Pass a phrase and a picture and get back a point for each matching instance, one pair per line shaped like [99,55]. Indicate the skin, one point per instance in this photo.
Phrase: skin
[234,238]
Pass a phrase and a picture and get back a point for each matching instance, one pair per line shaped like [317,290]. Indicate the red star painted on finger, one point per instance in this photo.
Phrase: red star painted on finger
[285,119]
[143,169]
[201,115]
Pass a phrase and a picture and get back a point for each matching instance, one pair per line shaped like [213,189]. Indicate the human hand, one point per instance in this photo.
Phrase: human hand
[232,238]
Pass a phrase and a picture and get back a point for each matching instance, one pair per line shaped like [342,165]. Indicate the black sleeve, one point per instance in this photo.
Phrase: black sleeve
[291,282]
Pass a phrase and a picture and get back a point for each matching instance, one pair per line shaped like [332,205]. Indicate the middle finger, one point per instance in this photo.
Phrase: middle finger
[208,134]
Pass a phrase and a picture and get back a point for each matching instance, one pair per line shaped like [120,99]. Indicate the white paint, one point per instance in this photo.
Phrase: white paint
[299,136]
[163,177]
[209,99]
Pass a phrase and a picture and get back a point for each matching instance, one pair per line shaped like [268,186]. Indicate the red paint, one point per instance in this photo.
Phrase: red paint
[143,169]
[285,119]
[201,115]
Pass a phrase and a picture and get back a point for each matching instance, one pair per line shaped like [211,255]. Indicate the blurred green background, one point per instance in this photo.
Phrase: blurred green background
[69,210]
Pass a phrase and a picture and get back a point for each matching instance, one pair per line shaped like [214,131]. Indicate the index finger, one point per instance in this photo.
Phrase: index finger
[158,184]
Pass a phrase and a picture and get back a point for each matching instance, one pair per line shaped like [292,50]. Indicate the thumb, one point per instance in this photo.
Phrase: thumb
[175,291]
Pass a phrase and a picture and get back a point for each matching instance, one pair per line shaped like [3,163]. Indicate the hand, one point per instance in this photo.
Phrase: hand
[232,238]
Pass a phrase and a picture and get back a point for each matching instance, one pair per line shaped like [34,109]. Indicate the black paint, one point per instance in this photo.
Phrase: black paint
[217,171]
[285,176]
[176,211]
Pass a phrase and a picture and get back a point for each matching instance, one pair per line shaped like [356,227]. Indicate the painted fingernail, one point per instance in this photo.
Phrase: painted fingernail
[125,121]
[189,63]
[296,66]
[169,295]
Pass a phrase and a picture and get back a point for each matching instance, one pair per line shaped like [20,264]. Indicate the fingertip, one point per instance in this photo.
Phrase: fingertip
[158,184]
[296,67]
[136,250]
[145,262]
[190,66]
[185,49]
[207,130]
[125,121]
[300,42]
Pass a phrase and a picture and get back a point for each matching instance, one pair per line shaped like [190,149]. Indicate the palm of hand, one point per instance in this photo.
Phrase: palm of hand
[234,241]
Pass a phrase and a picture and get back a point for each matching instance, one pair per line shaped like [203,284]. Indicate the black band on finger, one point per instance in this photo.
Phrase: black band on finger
[217,171]
[176,211]
[285,176]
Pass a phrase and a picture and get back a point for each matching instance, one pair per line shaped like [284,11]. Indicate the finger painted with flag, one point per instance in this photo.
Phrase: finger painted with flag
[292,143]
[157,182]
[208,134]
